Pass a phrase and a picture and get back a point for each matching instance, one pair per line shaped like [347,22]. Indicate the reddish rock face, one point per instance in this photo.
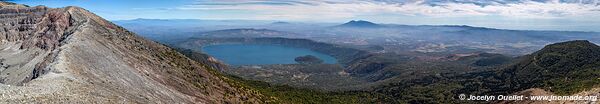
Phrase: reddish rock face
[32,28]
[51,29]
[70,55]
[37,27]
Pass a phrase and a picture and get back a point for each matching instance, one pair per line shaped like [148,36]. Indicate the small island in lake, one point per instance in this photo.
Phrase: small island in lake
[308,59]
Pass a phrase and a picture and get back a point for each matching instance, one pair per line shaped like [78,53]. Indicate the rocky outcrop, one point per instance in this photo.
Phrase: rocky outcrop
[31,34]
[70,55]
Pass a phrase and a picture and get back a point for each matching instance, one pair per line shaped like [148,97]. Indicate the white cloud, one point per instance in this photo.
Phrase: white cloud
[328,9]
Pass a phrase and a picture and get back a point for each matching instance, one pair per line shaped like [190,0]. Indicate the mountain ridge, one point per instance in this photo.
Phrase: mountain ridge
[245,33]
[560,66]
[70,55]
[571,69]
[360,24]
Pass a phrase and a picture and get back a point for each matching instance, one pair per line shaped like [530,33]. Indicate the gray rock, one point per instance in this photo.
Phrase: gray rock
[70,55]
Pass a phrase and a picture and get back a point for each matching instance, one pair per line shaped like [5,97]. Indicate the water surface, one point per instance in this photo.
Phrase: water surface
[254,54]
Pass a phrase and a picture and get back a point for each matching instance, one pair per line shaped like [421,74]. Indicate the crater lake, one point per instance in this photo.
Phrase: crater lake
[261,54]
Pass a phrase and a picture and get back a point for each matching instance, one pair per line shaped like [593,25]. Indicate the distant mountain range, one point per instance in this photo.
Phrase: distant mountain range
[70,55]
[360,24]
[280,23]
[416,37]
[562,68]
[244,33]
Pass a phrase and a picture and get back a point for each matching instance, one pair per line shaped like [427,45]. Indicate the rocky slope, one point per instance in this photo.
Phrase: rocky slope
[69,55]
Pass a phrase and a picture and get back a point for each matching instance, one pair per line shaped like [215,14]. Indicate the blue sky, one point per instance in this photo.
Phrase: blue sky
[572,15]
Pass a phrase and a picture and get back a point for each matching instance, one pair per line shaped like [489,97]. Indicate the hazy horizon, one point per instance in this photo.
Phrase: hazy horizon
[560,15]
[300,51]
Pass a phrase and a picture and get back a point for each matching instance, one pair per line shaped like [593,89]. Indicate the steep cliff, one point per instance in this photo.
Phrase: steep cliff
[69,55]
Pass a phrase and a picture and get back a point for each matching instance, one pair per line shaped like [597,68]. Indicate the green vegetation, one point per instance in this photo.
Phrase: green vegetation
[283,94]
[290,95]
[437,93]
[308,59]
[563,68]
